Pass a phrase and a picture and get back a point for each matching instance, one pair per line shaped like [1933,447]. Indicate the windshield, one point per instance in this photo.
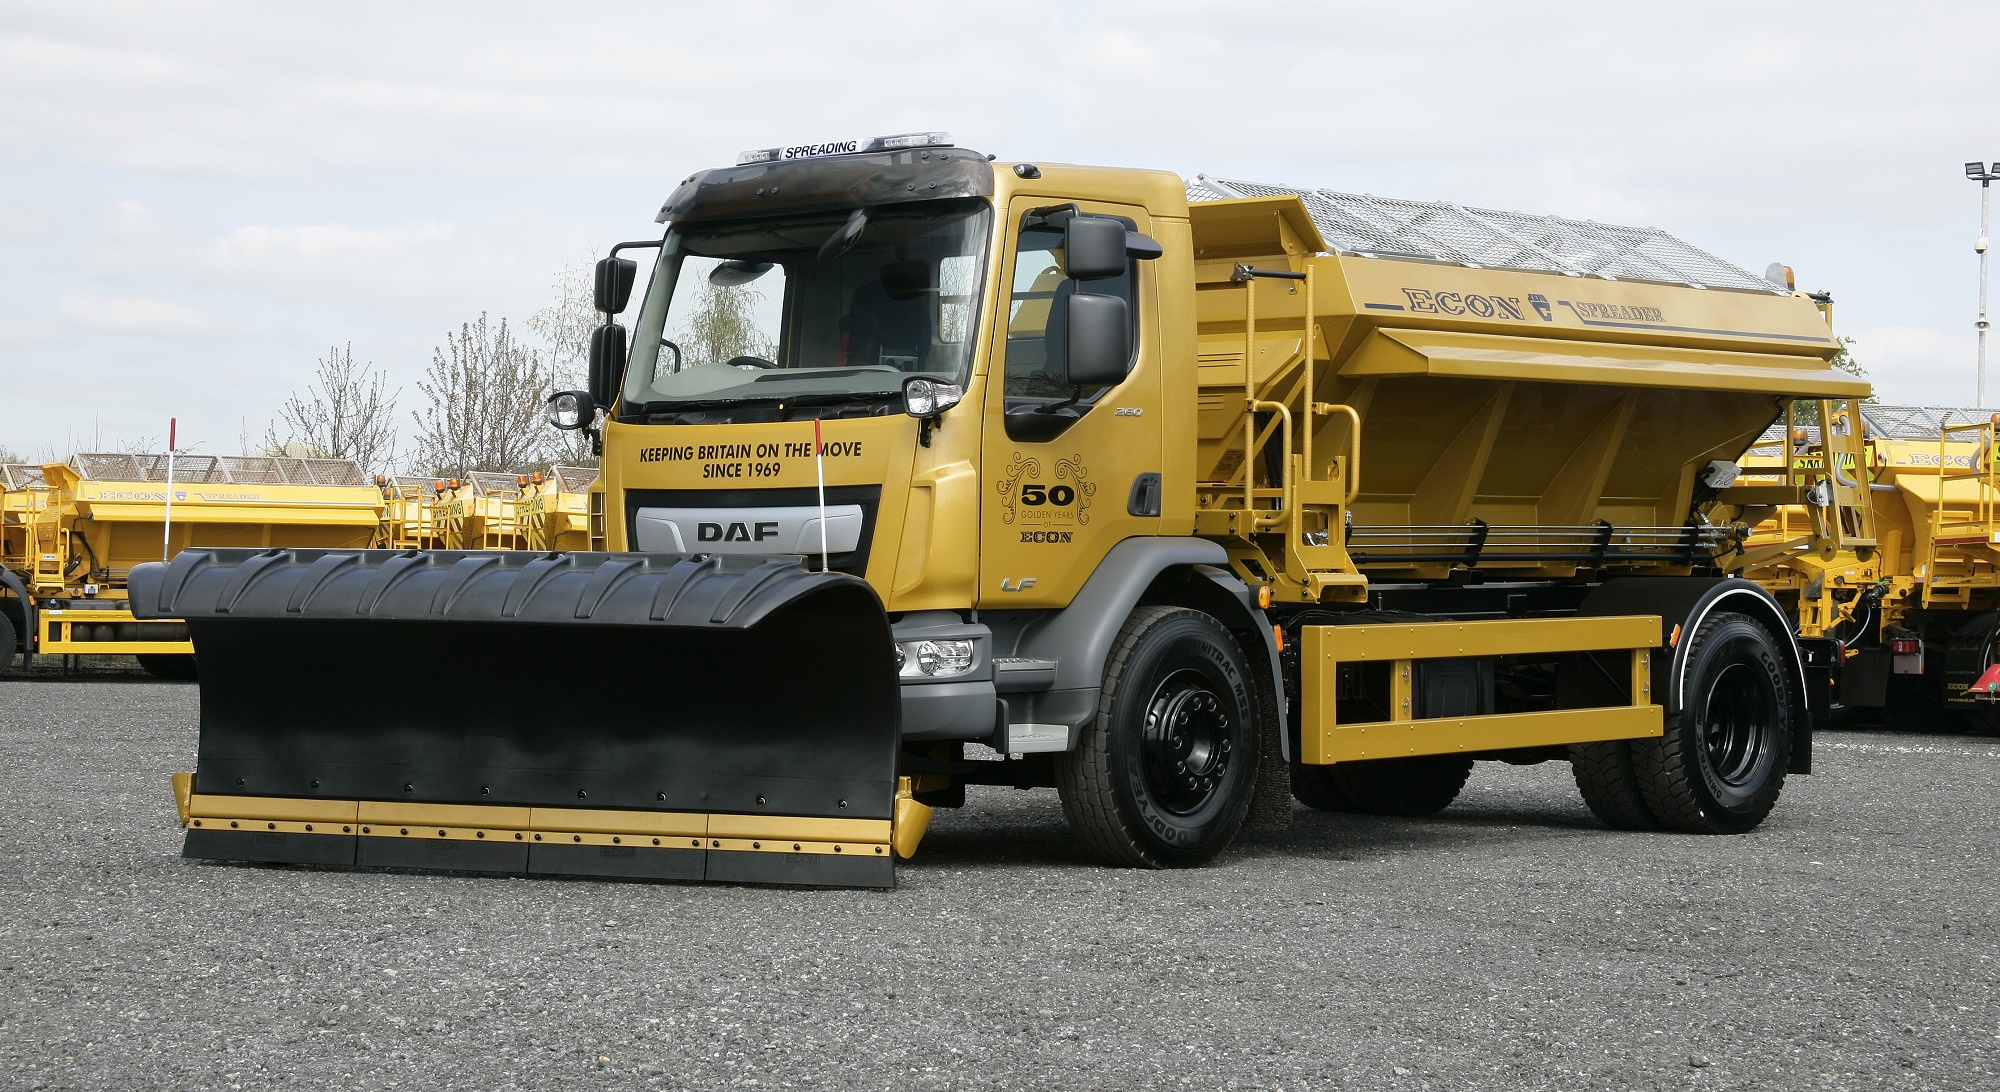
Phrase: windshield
[832,307]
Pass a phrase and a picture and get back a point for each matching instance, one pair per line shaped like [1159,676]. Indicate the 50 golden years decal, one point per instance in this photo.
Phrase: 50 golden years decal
[1046,511]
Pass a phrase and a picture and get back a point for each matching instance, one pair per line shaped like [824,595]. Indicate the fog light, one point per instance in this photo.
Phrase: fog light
[933,659]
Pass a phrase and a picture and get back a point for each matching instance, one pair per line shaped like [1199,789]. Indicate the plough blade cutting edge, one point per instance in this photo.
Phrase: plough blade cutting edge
[622,715]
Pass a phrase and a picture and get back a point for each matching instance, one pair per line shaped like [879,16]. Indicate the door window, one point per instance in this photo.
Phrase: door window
[1036,332]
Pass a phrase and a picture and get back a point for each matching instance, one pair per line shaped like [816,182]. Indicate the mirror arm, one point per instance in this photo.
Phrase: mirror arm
[638,244]
[1050,216]
[1075,396]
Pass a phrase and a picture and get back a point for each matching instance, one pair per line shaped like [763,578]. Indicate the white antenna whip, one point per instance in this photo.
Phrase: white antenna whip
[167,525]
[819,465]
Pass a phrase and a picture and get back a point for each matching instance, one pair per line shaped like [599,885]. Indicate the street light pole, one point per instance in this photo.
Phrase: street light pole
[1980,173]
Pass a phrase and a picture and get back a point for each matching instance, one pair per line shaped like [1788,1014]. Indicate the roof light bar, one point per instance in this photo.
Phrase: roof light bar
[897,143]
[901,141]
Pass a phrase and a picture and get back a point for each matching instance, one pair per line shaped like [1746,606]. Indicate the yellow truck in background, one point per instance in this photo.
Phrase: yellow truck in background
[1185,499]
[1914,605]
[541,510]
[70,533]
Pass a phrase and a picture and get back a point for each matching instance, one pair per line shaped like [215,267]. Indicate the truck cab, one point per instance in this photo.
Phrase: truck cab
[870,360]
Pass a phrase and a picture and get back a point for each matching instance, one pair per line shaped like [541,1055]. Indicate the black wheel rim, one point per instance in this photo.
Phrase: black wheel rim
[1186,746]
[1739,717]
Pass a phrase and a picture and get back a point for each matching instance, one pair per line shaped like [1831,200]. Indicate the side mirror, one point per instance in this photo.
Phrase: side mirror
[1100,337]
[614,284]
[607,362]
[1093,248]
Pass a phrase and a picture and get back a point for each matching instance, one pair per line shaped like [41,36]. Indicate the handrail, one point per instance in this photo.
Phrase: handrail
[1353,445]
[1286,505]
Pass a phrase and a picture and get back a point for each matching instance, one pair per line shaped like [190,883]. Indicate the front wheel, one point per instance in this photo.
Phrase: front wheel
[1720,765]
[1162,777]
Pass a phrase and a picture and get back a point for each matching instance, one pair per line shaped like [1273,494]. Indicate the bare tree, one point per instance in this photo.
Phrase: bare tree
[566,325]
[485,391]
[348,412]
[9,455]
[723,325]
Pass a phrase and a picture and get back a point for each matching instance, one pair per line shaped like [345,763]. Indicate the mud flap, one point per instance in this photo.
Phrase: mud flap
[545,713]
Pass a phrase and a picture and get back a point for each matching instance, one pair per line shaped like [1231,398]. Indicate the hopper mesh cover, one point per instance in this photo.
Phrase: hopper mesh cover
[1487,238]
[493,483]
[22,476]
[233,469]
[1889,423]
[573,479]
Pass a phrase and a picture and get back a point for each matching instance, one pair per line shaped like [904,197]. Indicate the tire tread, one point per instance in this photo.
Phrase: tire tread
[1610,786]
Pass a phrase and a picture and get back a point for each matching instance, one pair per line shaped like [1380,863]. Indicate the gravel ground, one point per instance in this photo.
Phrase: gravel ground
[1509,944]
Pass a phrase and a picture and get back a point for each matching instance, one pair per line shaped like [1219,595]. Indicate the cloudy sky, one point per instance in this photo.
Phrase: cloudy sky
[196,199]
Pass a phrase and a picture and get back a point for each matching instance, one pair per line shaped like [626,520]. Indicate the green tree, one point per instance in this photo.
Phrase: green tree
[1843,358]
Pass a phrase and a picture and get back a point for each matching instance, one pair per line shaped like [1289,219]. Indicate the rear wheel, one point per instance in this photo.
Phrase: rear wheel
[1409,787]
[1314,787]
[1162,777]
[170,666]
[7,639]
[1720,765]
[1610,788]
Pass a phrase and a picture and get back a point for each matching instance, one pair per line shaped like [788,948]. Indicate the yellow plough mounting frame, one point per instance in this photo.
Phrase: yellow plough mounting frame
[1323,649]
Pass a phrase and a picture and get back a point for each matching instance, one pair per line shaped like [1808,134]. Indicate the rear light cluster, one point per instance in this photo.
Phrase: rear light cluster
[1904,646]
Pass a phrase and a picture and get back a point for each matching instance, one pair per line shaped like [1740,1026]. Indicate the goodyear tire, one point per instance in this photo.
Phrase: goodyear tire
[1163,776]
[1408,787]
[1610,787]
[1720,765]
[168,666]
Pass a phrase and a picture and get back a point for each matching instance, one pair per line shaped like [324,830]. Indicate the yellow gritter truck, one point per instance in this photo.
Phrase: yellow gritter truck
[1914,604]
[923,470]
[73,531]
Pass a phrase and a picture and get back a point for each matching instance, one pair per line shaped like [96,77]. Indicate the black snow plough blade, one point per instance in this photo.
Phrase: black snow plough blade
[626,715]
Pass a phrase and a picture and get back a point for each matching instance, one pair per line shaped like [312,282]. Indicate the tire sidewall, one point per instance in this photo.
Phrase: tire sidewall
[1729,642]
[1176,642]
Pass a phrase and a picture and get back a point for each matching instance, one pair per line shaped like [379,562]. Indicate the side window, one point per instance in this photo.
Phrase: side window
[1036,334]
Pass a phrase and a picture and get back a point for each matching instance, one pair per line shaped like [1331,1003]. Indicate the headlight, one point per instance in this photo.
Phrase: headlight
[933,659]
[569,410]
[929,397]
